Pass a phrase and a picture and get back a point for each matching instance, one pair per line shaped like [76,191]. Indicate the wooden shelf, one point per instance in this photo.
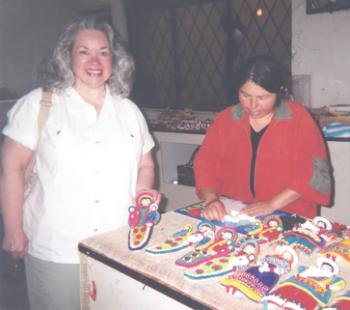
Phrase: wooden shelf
[327,119]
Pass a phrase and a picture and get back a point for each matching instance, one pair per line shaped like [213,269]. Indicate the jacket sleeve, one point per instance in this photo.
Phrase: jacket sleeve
[311,174]
[207,165]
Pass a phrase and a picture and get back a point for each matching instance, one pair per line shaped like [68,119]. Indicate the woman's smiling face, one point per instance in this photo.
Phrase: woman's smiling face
[91,59]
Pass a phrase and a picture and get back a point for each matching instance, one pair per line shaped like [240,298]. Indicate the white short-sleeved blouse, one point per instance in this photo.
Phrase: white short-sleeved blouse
[87,169]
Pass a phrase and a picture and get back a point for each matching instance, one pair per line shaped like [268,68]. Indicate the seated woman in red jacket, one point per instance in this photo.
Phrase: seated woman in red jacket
[266,151]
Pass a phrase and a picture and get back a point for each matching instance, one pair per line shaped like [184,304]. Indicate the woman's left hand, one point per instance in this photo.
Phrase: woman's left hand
[259,208]
[279,201]
[157,196]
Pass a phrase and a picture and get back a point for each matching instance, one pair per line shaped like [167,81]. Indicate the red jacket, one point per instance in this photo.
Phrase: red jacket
[291,154]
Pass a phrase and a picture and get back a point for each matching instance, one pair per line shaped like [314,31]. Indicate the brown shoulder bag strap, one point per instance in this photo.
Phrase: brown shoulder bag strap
[45,106]
[44,109]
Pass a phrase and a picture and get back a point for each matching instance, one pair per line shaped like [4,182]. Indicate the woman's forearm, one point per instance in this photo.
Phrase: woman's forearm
[284,198]
[146,175]
[15,159]
[12,198]
[277,202]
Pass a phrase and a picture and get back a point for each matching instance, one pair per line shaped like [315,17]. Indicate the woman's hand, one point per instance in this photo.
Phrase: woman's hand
[281,200]
[215,210]
[259,208]
[16,244]
[156,195]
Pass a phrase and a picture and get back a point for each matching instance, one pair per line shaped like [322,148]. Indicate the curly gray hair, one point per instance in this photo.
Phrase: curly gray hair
[57,72]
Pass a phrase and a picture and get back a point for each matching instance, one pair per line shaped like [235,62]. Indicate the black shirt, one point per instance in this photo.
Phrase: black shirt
[255,138]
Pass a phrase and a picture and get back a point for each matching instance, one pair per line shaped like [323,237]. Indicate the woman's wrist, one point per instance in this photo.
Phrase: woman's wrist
[143,189]
[209,202]
[208,195]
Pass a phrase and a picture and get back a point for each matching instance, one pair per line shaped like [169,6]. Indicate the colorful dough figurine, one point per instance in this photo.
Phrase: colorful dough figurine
[222,245]
[240,259]
[257,281]
[308,236]
[176,242]
[185,238]
[268,229]
[203,236]
[310,288]
[340,302]
[142,218]
[338,251]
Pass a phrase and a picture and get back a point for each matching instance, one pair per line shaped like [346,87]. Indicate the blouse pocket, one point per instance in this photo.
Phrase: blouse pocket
[56,146]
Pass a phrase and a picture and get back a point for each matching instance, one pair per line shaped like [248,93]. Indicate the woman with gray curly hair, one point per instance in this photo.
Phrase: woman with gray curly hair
[92,156]
[58,73]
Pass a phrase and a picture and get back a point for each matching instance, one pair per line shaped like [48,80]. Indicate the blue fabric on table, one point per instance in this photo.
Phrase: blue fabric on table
[336,130]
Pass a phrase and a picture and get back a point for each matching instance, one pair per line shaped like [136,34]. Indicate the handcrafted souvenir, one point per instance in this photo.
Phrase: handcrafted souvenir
[213,268]
[338,251]
[184,238]
[142,218]
[203,236]
[340,302]
[291,220]
[257,281]
[218,267]
[310,288]
[222,245]
[338,231]
[247,252]
[176,242]
[267,230]
[346,232]
[308,236]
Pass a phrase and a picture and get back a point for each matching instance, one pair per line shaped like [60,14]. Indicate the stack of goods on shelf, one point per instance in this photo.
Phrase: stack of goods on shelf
[180,120]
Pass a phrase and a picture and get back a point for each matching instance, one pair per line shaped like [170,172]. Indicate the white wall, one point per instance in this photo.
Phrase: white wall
[321,48]
[28,30]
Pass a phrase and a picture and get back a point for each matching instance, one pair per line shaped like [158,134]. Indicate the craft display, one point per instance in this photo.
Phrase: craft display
[308,236]
[229,251]
[244,254]
[142,217]
[222,245]
[310,288]
[185,238]
[257,281]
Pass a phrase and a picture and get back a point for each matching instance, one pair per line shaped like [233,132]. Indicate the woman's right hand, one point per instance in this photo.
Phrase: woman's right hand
[215,210]
[16,244]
